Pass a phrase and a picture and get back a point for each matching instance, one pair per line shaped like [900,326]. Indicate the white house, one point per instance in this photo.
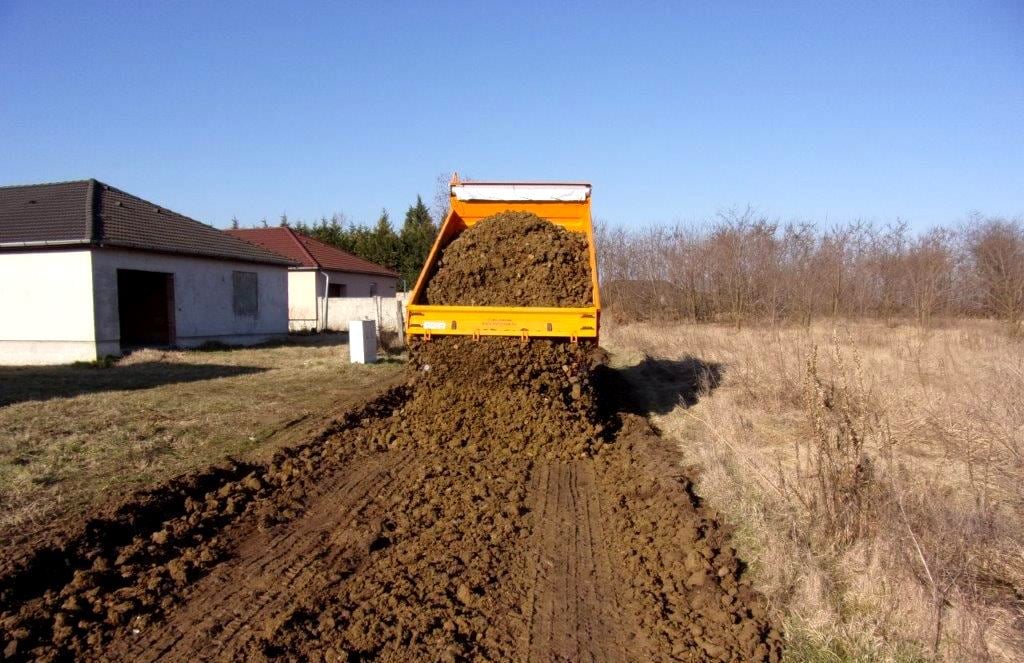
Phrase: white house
[87,270]
[323,273]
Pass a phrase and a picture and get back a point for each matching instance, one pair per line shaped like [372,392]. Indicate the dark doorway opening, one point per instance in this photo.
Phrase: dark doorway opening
[145,306]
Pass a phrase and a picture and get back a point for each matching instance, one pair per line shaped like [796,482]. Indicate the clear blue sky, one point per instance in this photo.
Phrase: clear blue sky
[673,111]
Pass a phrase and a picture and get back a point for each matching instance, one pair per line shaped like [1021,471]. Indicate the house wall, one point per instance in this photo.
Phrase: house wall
[302,299]
[46,308]
[388,312]
[306,289]
[358,285]
[203,298]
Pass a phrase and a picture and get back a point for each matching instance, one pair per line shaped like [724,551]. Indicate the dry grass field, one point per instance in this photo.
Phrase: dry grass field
[72,436]
[874,474]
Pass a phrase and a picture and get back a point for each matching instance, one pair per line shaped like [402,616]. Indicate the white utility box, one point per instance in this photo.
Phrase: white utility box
[362,341]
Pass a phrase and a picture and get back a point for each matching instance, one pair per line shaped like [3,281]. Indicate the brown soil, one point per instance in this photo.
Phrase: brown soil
[513,259]
[491,509]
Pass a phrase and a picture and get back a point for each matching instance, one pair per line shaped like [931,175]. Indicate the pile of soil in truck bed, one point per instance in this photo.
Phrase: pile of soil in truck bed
[513,259]
[499,506]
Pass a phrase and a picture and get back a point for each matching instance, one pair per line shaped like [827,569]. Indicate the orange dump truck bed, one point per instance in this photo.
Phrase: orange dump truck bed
[565,205]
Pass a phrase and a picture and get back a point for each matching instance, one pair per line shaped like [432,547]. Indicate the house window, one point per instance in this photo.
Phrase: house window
[373,289]
[337,290]
[246,296]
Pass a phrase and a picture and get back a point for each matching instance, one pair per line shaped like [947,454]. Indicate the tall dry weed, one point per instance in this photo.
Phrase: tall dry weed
[834,477]
[874,475]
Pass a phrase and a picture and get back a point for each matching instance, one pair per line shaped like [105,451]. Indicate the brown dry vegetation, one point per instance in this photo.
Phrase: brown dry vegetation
[743,268]
[874,473]
[70,436]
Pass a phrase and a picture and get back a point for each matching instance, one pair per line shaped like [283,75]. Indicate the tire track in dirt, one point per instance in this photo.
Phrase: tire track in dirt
[272,571]
[574,612]
[441,589]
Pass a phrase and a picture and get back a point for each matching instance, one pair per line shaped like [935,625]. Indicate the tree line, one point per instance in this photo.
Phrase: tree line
[742,267]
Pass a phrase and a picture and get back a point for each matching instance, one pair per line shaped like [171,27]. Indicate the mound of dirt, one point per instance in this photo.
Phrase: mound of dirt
[513,259]
[506,397]
[446,582]
[521,533]
[683,574]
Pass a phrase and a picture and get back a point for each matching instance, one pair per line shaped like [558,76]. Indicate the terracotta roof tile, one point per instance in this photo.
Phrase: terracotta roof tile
[309,252]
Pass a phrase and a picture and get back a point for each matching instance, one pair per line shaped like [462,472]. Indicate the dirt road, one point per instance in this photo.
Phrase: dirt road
[493,509]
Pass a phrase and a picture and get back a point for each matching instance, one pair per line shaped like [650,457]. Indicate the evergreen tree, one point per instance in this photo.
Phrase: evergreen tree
[345,234]
[416,238]
[381,244]
[284,220]
[234,223]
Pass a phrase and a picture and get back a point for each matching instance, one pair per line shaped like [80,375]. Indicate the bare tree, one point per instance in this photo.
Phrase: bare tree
[997,250]
[742,267]
[929,270]
[442,197]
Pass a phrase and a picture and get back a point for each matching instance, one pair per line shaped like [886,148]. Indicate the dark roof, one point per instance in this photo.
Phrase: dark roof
[309,252]
[92,213]
[45,213]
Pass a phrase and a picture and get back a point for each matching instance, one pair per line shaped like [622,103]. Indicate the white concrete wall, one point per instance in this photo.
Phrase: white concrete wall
[388,312]
[302,300]
[358,285]
[203,298]
[46,307]
[306,289]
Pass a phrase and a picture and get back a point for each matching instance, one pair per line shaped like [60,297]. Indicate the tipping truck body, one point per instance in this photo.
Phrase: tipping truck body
[563,204]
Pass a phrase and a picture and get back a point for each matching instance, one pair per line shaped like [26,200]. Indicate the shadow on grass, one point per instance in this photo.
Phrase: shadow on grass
[40,383]
[320,339]
[308,339]
[657,386]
